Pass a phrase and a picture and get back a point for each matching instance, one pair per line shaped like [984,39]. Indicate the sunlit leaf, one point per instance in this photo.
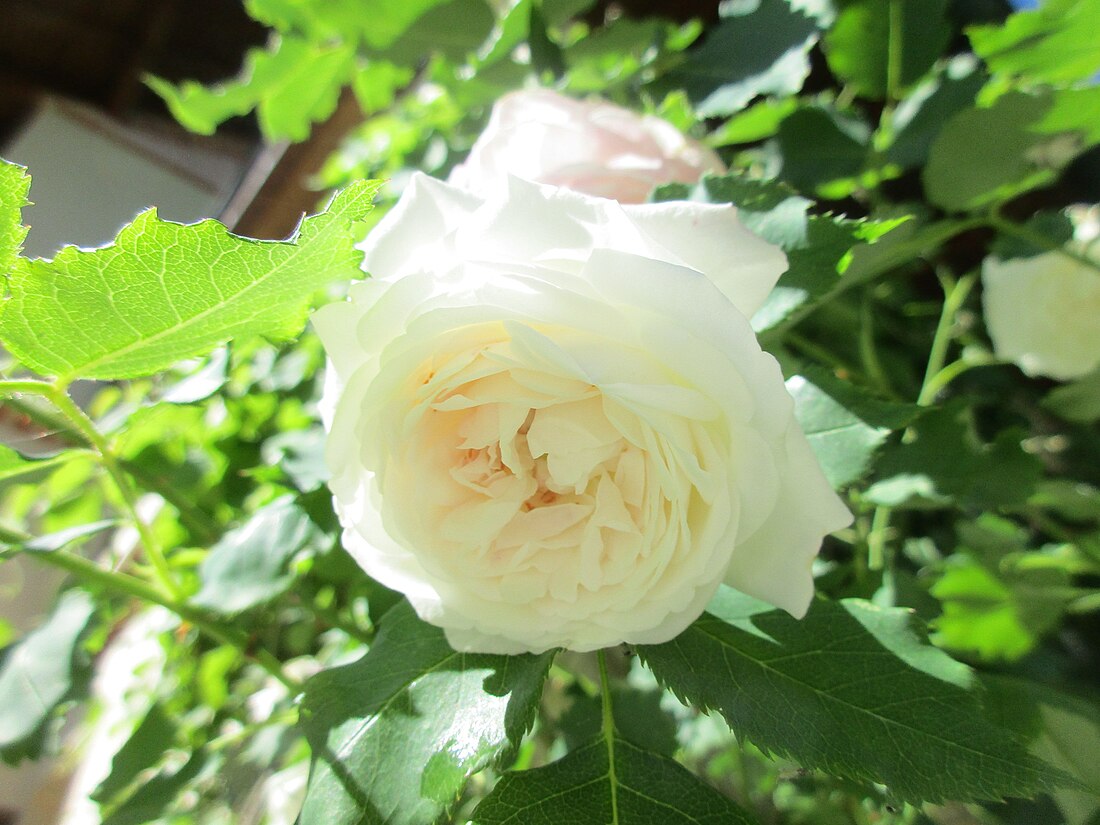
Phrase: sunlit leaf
[291,84]
[14,186]
[165,291]
[396,735]
[1055,42]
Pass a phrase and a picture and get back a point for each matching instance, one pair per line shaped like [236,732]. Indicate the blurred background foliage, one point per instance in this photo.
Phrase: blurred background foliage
[888,146]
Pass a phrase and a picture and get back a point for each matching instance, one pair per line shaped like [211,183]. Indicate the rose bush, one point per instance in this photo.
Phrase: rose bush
[1043,313]
[589,146]
[550,423]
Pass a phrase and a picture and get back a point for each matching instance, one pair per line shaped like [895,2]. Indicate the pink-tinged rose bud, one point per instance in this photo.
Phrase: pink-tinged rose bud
[551,425]
[590,146]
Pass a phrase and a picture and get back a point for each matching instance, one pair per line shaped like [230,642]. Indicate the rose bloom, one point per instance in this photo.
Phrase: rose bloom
[550,423]
[1043,313]
[589,146]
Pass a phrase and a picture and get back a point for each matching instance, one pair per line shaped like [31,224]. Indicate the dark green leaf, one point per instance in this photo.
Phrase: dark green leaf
[607,781]
[249,565]
[1078,401]
[146,745]
[38,672]
[14,186]
[546,55]
[153,797]
[852,689]
[858,44]
[1063,729]
[396,735]
[164,291]
[920,117]
[945,462]
[1055,43]
[822,153]
[845,425]
[761,50]
[1011,157]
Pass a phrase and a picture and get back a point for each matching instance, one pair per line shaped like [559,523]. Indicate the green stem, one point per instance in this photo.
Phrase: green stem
[56,395]
[1024,233]
[608,731]
[867,352]
[954,296]
[198,521]
[819,353]
[92,573]
[894,53]
[876,538]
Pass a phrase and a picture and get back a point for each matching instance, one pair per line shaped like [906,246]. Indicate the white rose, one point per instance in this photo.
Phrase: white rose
[550,423]
[1043,313]
[589,146]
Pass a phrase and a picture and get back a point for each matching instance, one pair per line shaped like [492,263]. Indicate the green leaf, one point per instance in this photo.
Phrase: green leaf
[1055,43]
[14,467]
[607,781]
[844,424]
[38,672]
[759,121]
[852,689]
[248,566]
[1078,401]
[980,615]
[165,291]
[944,462]
[1075,111]
[754,50]
[919,118]
[396,735]
[1012,157]
[822,152]
[153,797]
[817,246]
[453,28]
[1061,728]
[292,83]
[146,745]
[15,183]
[858,44]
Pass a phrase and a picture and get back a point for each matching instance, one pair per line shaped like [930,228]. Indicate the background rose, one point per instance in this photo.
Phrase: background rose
[549,428]
[1043,313]
[590,146]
